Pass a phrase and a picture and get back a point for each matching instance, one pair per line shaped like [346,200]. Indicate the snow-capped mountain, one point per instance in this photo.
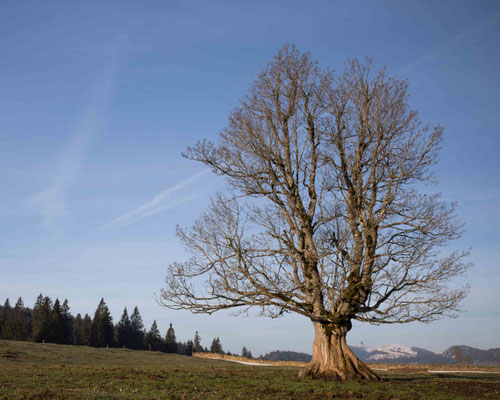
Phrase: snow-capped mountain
[396,353]
[399,354]
[392,351]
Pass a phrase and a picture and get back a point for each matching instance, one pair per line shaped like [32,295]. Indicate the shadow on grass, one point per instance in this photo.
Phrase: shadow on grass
[436,377]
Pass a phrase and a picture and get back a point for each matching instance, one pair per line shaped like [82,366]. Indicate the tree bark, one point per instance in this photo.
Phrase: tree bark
[333,359]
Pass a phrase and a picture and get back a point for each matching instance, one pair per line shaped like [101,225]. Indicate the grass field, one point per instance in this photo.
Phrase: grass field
[48,371]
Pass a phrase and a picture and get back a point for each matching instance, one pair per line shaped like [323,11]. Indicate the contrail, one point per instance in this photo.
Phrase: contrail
[157,203]
[435,52]
[51,200]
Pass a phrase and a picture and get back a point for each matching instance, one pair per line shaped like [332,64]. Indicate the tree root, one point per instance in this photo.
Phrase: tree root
[333,374]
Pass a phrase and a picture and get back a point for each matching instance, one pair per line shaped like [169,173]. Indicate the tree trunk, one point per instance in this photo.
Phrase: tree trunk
[332,358]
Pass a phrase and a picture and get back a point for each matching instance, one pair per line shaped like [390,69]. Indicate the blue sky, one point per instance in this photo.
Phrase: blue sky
[99,98]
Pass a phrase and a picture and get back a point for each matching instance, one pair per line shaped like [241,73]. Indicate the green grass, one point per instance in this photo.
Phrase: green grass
[48,371]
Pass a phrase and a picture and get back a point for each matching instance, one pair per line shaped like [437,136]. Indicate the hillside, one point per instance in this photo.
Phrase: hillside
[471,355]
[280,355]
[399,354]
[50,371]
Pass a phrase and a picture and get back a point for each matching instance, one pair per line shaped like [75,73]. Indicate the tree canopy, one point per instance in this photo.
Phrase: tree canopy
[327,216]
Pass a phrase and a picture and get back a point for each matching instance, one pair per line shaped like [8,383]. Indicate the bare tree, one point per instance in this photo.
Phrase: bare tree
[326,219]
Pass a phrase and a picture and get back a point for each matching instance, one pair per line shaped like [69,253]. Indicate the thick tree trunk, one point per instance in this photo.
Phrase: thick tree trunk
[332,358]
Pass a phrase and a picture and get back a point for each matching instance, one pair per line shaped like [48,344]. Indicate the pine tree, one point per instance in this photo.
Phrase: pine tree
[67,321]
[123,338]
[102,332]
[216,346]
[6,311]
[18,325]
[42,320]
[170,340]
[197,348]
[78,330]
[153,338]
[187,348]
[57,335]
[137,330]
[2,322]
[37,319]
[246,353]
[86,330]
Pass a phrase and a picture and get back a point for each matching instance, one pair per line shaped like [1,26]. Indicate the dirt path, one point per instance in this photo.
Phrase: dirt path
[375,369]
[252,363]
[242,362]
[463,372]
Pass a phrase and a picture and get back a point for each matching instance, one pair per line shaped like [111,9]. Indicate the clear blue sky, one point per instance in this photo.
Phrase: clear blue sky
[99,98]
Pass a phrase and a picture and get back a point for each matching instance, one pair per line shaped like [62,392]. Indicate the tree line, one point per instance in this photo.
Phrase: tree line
[52,322]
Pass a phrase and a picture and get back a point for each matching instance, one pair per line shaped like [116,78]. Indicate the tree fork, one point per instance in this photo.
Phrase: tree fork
[332,357]
[356,177]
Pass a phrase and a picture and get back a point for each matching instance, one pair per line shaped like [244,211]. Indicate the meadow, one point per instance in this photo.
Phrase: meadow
[49,371]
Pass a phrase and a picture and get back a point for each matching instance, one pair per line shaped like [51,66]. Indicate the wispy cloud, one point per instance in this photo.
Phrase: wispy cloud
[161,202]
[436,51]
[50,201]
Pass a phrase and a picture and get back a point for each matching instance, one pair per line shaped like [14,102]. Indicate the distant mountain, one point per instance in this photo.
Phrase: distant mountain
[471,355]
[398,354]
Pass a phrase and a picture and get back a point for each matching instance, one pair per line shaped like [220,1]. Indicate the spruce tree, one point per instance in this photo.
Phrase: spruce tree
[86,330]
[137,330]
[123,330]
[2,322]
[244,352]
[37,319]
[170,340]
[57,334]
[18,325]
[67,321]
[216,346]
[102,332]
[42,320]
[4,316]
[153,338]
[78,330]
[187,348]
[197,347]
[123,336]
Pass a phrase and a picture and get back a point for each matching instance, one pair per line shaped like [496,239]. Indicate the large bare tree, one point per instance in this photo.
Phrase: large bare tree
[326,216]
